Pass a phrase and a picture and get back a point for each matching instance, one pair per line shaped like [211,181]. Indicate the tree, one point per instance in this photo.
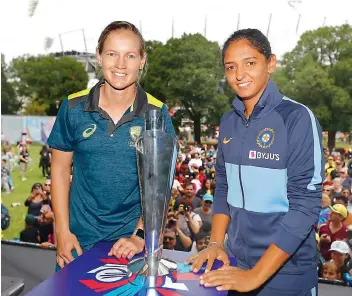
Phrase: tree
[318,73]
[35,107]
[152,79]
[9,102]
[187,71]
[46,80]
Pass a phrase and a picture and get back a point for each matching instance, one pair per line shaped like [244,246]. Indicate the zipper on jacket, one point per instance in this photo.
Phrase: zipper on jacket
[244,250]
[239,169]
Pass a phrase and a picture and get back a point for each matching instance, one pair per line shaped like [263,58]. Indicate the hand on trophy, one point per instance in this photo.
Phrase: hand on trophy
[127,247]
[212,252]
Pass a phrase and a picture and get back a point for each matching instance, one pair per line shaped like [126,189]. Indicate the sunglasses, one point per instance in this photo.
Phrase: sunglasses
[47,184]
[208,202]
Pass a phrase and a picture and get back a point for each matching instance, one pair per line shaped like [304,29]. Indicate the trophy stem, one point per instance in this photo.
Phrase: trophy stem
[152,267]
[156,162]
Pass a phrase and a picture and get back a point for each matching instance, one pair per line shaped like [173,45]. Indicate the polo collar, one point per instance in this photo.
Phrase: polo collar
[138,108]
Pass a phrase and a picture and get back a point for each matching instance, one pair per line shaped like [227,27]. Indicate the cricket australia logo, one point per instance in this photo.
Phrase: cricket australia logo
[135,133]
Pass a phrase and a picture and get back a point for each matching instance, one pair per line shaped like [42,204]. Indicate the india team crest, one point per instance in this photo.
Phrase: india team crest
[266,138]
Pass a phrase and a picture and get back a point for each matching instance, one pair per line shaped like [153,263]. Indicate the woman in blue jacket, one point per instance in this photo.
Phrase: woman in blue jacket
[269,174]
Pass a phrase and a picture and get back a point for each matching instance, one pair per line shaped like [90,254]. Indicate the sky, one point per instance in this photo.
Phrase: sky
[21,34]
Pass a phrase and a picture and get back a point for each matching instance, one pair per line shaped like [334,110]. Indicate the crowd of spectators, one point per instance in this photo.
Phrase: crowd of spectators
[190,212]
[334,227]
[189,217]
[39,219]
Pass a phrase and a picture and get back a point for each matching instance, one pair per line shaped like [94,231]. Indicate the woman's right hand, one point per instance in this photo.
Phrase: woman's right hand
[212,252]
[32,196]
[66,242]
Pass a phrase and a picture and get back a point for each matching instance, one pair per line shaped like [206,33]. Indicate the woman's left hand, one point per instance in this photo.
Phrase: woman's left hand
[127,247]
[231,278]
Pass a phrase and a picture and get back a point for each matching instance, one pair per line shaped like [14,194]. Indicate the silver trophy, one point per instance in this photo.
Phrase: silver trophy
[156,160]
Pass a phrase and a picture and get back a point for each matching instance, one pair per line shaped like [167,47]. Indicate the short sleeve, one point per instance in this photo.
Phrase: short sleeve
[197,218]
[61,136]
[323,230]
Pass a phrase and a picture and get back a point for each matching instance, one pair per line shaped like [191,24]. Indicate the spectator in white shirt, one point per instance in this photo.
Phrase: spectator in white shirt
[195,160]
[177,185]
[197,185]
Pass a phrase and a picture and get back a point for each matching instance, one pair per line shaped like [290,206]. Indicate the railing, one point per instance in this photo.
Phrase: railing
[24,244]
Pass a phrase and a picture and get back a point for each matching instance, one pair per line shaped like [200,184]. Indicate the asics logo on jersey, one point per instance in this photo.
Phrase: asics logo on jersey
[89,131]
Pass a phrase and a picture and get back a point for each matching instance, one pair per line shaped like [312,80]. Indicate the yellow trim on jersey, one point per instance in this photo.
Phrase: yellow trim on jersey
[79,94]
[154,101]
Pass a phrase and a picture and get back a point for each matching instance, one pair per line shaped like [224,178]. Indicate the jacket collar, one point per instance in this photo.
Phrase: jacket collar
[269,99]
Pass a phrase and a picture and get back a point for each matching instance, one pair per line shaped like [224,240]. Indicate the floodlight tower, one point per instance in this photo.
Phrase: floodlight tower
[32,6]
[295,4]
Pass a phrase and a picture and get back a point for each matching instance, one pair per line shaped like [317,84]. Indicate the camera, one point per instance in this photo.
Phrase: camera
[183,209]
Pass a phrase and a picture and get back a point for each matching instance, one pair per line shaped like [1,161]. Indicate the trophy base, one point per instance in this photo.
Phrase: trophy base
[140,266]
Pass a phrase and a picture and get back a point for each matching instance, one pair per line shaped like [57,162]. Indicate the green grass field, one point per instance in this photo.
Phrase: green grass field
[21,192]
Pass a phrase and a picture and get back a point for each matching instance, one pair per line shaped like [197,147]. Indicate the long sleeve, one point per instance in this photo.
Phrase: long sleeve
[220,205]
[305,172]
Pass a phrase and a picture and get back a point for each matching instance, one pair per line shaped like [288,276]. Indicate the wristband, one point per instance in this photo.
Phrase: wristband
[139,233]
[215,243]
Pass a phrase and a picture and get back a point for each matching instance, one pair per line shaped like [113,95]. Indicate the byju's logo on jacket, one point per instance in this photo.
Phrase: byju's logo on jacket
[263,155]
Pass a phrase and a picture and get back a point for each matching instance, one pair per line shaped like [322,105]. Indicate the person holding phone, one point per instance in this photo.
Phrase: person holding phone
[35,201]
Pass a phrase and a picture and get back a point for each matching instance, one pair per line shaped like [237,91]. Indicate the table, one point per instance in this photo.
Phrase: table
[95,273]
[11,286]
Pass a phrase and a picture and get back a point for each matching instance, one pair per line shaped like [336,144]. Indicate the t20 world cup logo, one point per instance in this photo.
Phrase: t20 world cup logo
[113,278]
